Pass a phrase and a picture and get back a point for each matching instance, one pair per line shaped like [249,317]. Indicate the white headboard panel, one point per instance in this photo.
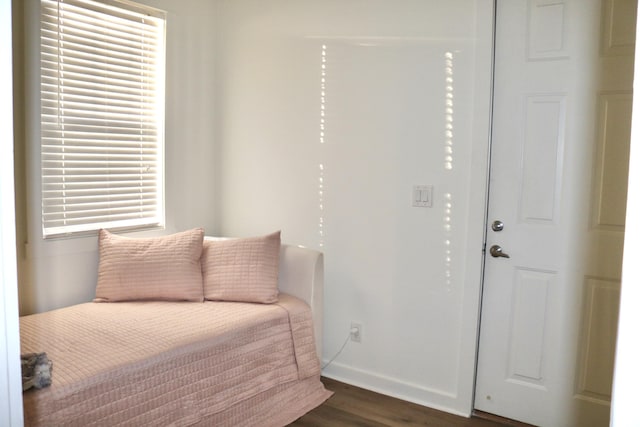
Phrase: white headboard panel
[302,275]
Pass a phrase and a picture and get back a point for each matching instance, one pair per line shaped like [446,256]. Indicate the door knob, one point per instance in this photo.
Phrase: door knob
[496,252]
[497,225]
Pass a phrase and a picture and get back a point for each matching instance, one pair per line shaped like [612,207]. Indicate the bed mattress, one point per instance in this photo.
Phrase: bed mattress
[174,363]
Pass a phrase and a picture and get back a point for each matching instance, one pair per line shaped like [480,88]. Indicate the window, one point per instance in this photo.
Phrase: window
[102,115]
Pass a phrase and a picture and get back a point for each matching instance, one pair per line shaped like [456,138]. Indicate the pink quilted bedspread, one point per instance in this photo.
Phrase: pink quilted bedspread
[175,363]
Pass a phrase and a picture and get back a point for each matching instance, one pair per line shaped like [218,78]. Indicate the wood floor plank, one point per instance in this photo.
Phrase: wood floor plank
[352,406]
[374,407]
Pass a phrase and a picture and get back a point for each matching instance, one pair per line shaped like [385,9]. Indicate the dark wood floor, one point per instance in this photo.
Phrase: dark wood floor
[353,406]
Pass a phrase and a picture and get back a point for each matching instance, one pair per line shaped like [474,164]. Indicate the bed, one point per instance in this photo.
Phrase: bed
[219,361]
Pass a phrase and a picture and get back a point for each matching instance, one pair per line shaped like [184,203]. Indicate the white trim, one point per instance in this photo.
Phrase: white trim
[10,377]
[441,400]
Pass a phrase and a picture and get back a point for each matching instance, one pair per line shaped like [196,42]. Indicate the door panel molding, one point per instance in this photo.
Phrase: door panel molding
[612,160]
[542,157]
[597,347]
[527,340]
[546,30]
[618,39]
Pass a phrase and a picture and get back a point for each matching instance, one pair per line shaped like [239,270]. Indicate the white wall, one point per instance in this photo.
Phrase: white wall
[411,276]
[60,272]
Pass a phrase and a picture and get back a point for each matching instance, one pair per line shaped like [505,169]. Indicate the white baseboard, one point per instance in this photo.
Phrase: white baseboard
[414,393]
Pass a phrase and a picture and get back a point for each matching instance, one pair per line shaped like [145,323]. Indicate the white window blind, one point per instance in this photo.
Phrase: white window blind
[102,115]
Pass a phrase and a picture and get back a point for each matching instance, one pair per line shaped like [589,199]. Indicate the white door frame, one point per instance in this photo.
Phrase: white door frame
[10,376]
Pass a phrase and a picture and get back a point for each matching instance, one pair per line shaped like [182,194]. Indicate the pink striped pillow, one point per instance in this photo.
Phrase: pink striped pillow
[160,268]
[243,270]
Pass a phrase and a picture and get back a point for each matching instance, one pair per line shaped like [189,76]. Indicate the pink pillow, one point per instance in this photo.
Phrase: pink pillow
[243,270]
[159,268]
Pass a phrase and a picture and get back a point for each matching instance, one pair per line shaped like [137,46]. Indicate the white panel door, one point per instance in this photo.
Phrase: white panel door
[560,149]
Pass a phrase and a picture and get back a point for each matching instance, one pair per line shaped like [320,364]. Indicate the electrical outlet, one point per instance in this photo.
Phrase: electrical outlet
[356,331]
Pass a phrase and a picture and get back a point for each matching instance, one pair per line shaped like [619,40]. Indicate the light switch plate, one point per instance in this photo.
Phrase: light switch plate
[422,196]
